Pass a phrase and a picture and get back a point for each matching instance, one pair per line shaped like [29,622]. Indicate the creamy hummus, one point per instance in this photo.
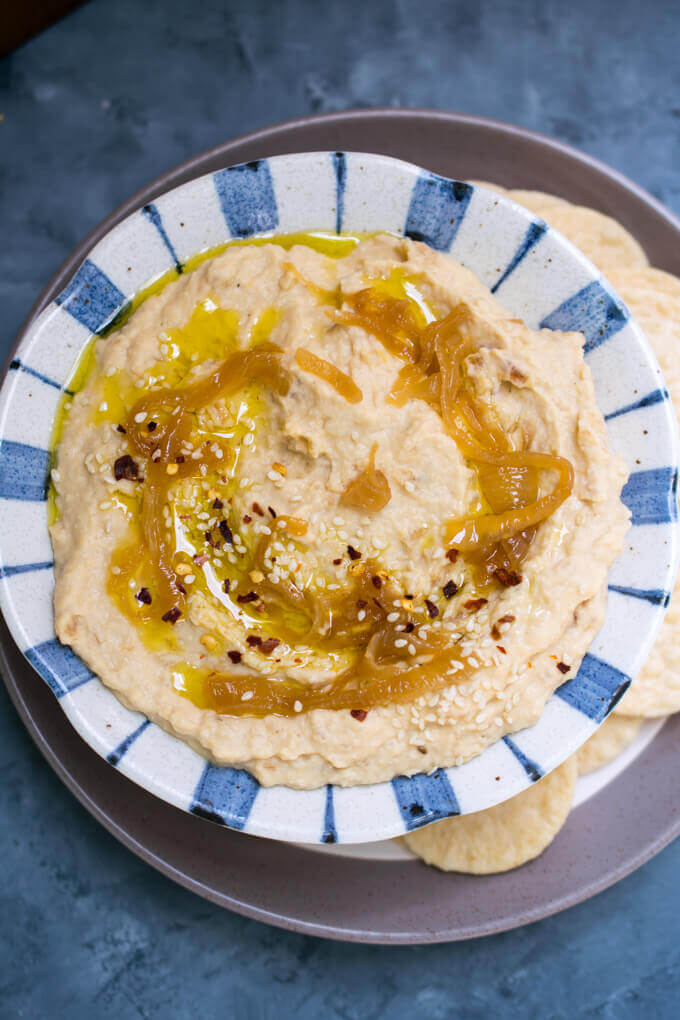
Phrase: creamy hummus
[313,520]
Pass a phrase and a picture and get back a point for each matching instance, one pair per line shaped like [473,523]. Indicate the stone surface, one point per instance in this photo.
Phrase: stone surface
[92,109]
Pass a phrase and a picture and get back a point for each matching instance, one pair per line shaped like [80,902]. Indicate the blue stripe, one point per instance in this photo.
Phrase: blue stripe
[651,496]
[247,198]
[436,210]
[225,796]
[24,568]
[24,471]
[423,799]
[19,366]
[595,689]
[59,666]
[532,768]
[655,397]
[118,752]
[657,596]
[534,233]
[152,214]
[340,168]
[593,311]
[91,298]
[330,833]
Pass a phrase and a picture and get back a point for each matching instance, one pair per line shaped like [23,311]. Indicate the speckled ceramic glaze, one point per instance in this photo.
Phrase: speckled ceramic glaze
[537,275]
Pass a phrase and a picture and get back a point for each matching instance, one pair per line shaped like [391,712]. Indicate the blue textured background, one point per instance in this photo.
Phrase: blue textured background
[92,109]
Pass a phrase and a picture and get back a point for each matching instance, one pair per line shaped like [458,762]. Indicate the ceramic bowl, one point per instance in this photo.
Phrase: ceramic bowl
[538,276]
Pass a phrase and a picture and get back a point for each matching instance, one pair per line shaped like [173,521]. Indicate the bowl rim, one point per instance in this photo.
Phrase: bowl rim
[34,321]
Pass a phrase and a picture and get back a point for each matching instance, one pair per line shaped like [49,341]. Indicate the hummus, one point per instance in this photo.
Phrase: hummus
[332,520]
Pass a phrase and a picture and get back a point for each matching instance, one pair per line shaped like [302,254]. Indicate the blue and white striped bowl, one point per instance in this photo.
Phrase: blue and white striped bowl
[538,276]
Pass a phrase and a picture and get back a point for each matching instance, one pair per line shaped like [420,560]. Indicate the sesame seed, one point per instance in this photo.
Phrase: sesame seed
[298,706]
[411,649]
[103,406]
[246,696]
[248,439]
[400,643]
[272,476]
[361,615]
[140,416]
[391,617]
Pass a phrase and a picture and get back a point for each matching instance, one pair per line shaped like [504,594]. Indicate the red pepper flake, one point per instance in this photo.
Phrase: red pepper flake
[272,511]
[337,561]
[358,713]
[120,428]
[144,595]
[452,555]
[172,615]
[234,656]
[257,509]
[269,644]
[247,518]
[361,603]
[217,504]
[353,553]
[200,560]
[179,459]
[496,630]
[376,581]
[209,538]
[126,467]
[432,610]
[409,627]
[450,589]
[502,649]
[226,585]
[475,604]
[253,641]
[152,426]
[563,668]
[508,578]
[226,532]
[252,596]
[378,603]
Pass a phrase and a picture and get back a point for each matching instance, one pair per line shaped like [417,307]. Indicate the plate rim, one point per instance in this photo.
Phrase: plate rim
[373,816]
[164,182]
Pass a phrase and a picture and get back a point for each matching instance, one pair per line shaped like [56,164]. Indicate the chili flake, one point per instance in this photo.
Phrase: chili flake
[450,589]
[353,553]
[358,713]
[226,532]
[126,467]
[144,595]
[234,656]
[563,668]
[252,596]
[172,615]
[473,605]
[508,578]
[432,610]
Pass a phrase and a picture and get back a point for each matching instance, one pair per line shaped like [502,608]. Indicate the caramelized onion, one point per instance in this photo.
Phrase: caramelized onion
[172,410]
[340,381]
[370,490]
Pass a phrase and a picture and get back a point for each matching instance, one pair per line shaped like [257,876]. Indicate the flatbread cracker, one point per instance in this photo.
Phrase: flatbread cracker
[601,239]
[613,736]
[654,299]
[503,837]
